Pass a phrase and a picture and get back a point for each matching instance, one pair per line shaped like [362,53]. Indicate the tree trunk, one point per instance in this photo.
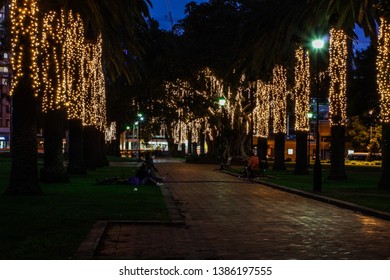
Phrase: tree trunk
[279,163]
[76,163]
[262,148]
[24,166]
[190,152]
[202,139]
[90,147]
[301,162]
[114,146]
[384,182]
[102,149]
[337,153]
[53,170]
[99,149]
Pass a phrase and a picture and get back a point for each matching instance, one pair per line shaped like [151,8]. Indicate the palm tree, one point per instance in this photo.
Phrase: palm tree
[383,64]
[118,22]
[302,108]
[279,86]
[338,50]
[276,31]
[367,14]
[53,95]
[261,119]
[24,49]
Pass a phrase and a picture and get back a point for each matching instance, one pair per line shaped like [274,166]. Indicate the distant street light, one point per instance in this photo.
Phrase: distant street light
[221,101]
[317,44]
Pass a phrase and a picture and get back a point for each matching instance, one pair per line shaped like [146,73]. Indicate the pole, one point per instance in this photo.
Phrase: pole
[221,137]
[317,172]
[308,147]
[139,141]
[222,102]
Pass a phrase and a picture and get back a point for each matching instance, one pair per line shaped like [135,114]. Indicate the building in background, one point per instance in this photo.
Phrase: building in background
[5,74]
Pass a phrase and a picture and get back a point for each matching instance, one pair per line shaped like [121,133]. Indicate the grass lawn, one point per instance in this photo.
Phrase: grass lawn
[53,225]
[360,187]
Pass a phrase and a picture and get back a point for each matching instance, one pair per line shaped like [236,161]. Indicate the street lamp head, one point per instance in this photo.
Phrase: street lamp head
[221,101]
[310,115]
[318,44]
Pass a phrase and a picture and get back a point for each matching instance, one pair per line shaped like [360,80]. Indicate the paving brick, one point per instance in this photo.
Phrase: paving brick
[225,217]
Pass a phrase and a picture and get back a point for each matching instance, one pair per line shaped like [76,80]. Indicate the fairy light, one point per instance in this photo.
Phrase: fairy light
[279,85]
[338,53]
[74,59]
[95,95]
[383,68]
[262,109]
[24,42]
[52,40]
[110,133]
[302,89]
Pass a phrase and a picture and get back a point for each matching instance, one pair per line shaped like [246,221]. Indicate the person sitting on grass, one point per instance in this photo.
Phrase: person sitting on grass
[146,173]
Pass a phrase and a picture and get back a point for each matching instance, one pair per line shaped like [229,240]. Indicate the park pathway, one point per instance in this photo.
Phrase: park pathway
[225,217]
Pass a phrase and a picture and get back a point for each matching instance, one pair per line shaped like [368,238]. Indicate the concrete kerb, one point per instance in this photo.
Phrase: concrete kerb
[340,203]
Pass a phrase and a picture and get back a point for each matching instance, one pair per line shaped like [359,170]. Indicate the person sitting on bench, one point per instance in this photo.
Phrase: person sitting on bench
[253,164]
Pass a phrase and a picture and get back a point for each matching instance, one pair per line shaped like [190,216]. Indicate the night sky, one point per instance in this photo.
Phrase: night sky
[162,8]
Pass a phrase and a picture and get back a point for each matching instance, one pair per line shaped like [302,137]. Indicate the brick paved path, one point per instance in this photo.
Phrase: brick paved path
[232,218]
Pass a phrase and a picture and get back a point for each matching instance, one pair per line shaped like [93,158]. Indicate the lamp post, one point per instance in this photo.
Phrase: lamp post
[370,112]
[126,142]
[140,118]
[309,116]
[222,103]
[317,44]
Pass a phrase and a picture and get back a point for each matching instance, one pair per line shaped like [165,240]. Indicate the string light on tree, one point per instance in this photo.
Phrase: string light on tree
[302,89]
[95,96]
[279,87]
[52,74]
[74,67]
[24,42]
[338,54]
[110,133]
[383,68]
[262,109]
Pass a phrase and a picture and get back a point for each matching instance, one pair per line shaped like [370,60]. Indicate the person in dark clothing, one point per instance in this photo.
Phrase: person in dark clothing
[146,173]
[150,163]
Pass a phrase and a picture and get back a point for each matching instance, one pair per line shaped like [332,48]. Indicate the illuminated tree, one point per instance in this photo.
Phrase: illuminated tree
[75,86]
[338,56]
[302,107]
[261,117]
[25,82]
[94,105]
[383,80]
[53,95]
[119,24]
[279,89]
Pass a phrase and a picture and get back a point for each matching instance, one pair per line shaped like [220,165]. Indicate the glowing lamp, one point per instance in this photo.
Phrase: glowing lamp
[318,43]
